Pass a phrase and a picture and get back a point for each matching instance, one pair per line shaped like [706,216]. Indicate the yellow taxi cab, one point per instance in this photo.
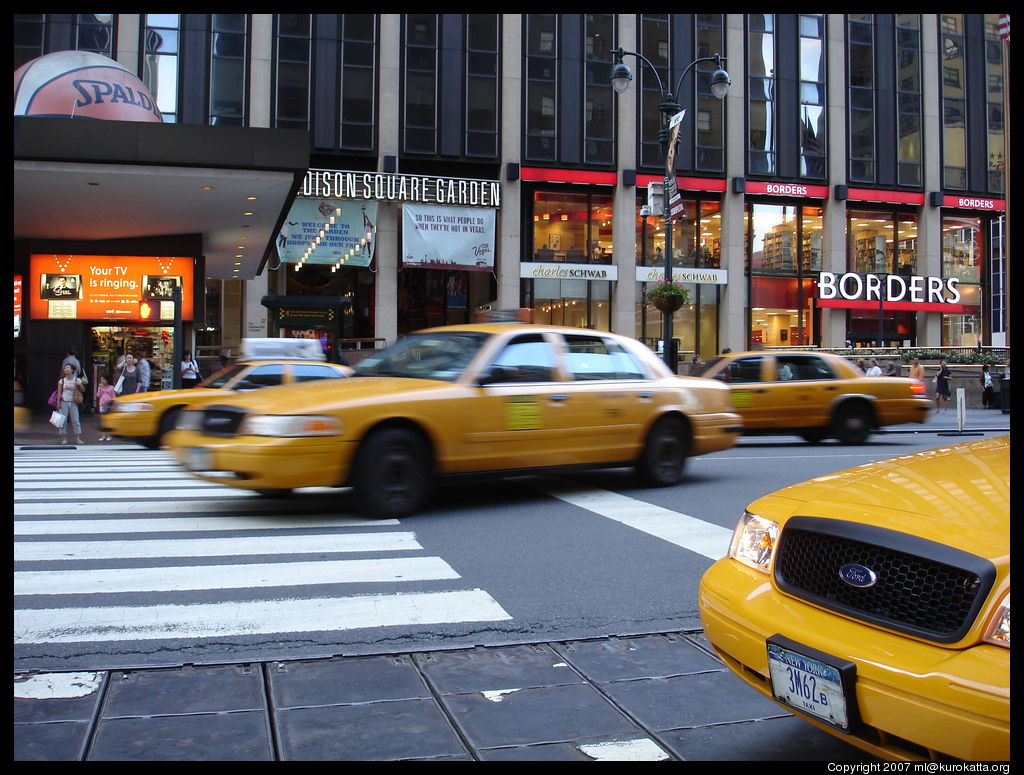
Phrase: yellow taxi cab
[147,417]
[815,395]
[489,397]
[874,603]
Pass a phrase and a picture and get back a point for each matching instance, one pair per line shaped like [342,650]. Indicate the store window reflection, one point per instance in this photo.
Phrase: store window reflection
[574,228]
[962,258]
[696,237]
[579,303]
[882,242]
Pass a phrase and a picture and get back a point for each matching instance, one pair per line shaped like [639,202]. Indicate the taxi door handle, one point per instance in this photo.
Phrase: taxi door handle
[645,395]
[830,387]
[760,390]
[560,397]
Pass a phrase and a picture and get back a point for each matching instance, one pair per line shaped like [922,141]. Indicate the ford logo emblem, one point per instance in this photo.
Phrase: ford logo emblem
[858,576]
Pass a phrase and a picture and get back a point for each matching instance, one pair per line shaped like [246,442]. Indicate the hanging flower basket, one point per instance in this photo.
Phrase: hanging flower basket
[667,296]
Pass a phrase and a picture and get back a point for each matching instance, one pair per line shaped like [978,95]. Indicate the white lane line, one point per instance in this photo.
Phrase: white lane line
[176,579]
[114,498]
[677,528]
[324,614]
[53,489]
[214,547]
[192,505]
[185,524]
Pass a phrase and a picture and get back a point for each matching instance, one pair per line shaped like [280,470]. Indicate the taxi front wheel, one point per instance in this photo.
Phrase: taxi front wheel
[853,424]
[392,474]
[663,460]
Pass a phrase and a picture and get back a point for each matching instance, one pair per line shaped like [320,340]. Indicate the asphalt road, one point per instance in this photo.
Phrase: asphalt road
[134,580]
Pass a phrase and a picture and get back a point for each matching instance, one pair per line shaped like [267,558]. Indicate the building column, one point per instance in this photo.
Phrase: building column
[508,255]
[624,247]
[833,239]
[388,141]
[929,225]
[732,310]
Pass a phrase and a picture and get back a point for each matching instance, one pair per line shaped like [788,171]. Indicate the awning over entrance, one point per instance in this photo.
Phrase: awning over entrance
[80,179]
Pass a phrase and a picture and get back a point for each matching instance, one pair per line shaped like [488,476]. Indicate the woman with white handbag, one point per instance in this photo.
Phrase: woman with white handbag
[70,389]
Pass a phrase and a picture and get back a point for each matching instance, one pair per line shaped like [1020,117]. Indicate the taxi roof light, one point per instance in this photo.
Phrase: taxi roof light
[257,349]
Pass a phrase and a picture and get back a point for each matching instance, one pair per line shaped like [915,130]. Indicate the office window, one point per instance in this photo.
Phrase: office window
[599,115]
[292,70]
[28,33]
[954,102]
[95,32]
[761,140]
[358,85]
[482,55]
[908,100]
[995,105]
[860,54]
[420,83]
[709,111]
[541,78]
[813,126]
[654,37]
[229,55]
[160,69]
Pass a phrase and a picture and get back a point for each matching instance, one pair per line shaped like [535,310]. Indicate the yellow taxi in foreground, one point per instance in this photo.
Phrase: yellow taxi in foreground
[147,417]
[875,602]
[815,395]
[491,397]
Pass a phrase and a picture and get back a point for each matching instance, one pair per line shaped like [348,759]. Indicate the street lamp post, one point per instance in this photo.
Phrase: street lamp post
[621,76]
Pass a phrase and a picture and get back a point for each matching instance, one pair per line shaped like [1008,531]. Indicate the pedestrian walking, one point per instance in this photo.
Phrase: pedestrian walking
[917,370]
[874,370]
[190,375]
[128,381]
[145,372]
[105,395]
[942,387]
[986,388]
[69,391]
[890,369]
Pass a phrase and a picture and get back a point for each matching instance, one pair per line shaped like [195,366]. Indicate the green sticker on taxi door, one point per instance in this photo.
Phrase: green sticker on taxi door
[522,413]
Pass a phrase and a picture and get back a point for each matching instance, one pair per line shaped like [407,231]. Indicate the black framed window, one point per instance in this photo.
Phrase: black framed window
[419,80]
[709,116]
[161,66]
[860,64]
[761,94]
[95,32]
[910,141]
[229,67]
[995,105]
[654,45]
[358,84]
[954,101]
[813,104]
[292,70]
[599,115]
[28,37]
[483,32]
[541,41]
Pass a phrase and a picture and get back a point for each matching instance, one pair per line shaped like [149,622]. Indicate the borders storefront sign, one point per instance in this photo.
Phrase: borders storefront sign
[890,292]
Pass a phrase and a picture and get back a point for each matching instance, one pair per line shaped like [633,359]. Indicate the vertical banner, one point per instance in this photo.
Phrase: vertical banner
[438,237]
[330,237]
[673,201]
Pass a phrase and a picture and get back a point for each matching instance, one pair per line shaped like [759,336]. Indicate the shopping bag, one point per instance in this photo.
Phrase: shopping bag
[54,401]
[119,384]
[57,419]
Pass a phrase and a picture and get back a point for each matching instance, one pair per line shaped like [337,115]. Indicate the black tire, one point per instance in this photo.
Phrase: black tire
[392,475]
[813,435]
[852,424]
[663,460]
[277,492]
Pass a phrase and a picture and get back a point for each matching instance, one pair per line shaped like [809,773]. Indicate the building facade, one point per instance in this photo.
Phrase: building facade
[850,186]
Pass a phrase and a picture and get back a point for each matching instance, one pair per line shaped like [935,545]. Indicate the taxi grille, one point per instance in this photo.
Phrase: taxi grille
[221,420]
[923,588]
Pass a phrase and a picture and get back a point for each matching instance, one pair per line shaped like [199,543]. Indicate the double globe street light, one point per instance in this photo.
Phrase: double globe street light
[621,76]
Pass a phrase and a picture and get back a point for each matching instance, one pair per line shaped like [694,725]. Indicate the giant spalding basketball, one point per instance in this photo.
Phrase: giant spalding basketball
[81,84]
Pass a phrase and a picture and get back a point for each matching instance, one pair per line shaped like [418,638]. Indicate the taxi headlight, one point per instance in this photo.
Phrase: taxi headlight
[133,406]
[188,420]
[754,541]
[290,425]
[998,631]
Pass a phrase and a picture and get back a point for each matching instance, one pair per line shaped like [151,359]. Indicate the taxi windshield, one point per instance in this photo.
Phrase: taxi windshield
[221,378]
[709,367]
[442,356]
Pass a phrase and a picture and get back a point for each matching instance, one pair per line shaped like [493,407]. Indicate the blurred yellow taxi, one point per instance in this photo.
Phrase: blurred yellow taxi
[875,602]
[22,417]
[815,395]
[490,397]
[147,417]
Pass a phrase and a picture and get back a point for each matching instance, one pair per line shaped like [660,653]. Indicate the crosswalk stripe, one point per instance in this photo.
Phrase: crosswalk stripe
[24,527]
[214,547]
[194,577]
[245,502]
[71,625]
[187,492]
[696,535]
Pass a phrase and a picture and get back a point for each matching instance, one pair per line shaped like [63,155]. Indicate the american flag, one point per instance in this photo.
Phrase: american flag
[1004,27]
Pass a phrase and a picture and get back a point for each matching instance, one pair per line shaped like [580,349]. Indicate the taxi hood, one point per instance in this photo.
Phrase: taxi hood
[964,485]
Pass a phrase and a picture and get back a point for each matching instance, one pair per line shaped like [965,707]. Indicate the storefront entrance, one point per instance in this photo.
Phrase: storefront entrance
[110,343]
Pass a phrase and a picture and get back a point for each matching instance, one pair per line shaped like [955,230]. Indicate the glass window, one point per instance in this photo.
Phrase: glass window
[482,33]
[654,44]
[228,68]
[709,115]
[597,358]
[292,70]
[995,97]
[575,228]
[908,99]
[598,113]
[528,358]
[954,102]
[420,82]
[861,67]
[962,248]
[746,369]
[160,61]
[812,97]
[801,367]
[541,127]
[28,34]
[358,106]
[761,140]
[307,372]
[260,377]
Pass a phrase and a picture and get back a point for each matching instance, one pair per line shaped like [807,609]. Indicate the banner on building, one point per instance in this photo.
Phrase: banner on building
[329,231]
[436,237]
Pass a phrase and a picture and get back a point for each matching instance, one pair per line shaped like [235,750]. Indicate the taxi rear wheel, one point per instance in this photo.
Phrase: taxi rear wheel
[852,424]
[663,460]
[392,475]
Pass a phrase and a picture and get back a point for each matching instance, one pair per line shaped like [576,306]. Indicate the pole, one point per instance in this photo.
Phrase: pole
[176,349]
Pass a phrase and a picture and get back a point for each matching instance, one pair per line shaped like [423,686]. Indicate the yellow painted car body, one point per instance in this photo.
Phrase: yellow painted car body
[146,417]
[900,569]
[466,399]
[815,395]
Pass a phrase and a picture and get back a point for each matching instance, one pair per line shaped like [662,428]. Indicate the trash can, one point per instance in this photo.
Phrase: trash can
[1004,394]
